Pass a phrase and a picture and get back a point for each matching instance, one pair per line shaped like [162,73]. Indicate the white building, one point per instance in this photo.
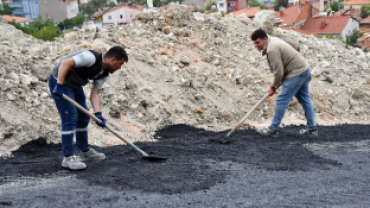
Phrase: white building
[221,5]
[121,14]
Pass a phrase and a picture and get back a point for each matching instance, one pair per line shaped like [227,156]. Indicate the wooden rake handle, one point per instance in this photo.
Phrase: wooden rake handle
[246,116]
[107,127]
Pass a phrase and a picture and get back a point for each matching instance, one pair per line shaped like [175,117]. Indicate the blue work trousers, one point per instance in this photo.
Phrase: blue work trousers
[74,121]
[296,86]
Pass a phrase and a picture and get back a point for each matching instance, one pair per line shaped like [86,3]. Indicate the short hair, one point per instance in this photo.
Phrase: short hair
[118,52]
[258,34]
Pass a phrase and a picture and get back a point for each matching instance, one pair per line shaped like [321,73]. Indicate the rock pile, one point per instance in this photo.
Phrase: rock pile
[191,68]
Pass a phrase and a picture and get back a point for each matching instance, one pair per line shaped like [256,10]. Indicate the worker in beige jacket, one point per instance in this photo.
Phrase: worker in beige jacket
[291,71]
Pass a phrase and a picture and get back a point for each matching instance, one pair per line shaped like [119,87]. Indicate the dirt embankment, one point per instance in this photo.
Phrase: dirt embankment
[190,68]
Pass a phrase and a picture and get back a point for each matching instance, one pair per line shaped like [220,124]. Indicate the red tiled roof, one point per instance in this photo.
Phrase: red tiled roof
[277,14]
[138,7]
[306,12]
[9,18]
[365,20]
[252,11]
[192,7]
[98,14]
[66,1]
[334,24]
[289,14]
[364,41]
[268,6]
[357,2]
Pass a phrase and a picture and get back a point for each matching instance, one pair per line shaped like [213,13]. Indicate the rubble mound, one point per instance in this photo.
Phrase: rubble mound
[184,68]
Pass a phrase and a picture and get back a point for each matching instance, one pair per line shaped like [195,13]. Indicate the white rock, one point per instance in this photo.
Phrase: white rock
[10,96]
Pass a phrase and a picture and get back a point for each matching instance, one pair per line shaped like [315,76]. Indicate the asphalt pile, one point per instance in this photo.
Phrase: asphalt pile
[184,68]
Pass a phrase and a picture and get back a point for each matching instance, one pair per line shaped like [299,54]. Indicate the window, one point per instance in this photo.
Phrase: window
[131,16]
[120,16]
[34,16]
[33,8]
[231,4]
[221,5]
[109,17]
[26,9]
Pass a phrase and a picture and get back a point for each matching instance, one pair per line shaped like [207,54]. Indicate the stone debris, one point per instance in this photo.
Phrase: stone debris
[192,68]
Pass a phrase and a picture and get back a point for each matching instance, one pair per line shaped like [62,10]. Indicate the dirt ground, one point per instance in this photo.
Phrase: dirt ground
[248,171]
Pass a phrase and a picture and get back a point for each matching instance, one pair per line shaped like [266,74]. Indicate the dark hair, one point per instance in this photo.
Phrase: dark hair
[118,52]
[258,34]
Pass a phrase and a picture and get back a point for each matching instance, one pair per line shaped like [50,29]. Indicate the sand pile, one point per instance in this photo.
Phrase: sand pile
[201,70]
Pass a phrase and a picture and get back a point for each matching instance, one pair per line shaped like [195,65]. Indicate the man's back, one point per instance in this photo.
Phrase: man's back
[293,62]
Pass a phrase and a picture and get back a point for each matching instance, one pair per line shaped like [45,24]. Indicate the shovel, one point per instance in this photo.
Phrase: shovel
[143,154]
[246,116]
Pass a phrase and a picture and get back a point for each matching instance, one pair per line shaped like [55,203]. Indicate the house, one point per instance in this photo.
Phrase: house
[121,14]
[270,7]
[21,20]
[198,3]
[318,4]
[55,10]
[250,12]
[292,2]
[296,15]
[72,8]
[365,23]
[25,8]
[364,41]
[221,5]
[355,4]
[193,7]
[235,5]
[339,25]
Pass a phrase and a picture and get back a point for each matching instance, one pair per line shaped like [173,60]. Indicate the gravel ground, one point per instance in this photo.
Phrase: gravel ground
[247,171]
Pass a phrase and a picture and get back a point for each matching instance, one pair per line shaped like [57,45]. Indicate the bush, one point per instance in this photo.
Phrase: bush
[352,38]
[42,30]
[365,11]
[331,36]
[6,10]
[78,20]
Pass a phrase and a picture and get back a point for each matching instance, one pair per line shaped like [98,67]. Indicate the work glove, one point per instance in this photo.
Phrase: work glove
[100,116]
[58,90]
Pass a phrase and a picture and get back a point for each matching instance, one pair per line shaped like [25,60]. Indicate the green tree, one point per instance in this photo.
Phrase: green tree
[43,30]
[209,6]
[156,3]
[365,11]
[6,10]
[278,3]
[89,8]
[111,4]
[78,20]
[352,38]
[99,3]
[333,5]
[256,4]
[47,33]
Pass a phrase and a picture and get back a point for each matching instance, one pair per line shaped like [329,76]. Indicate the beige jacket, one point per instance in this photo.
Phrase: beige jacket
[285,62]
